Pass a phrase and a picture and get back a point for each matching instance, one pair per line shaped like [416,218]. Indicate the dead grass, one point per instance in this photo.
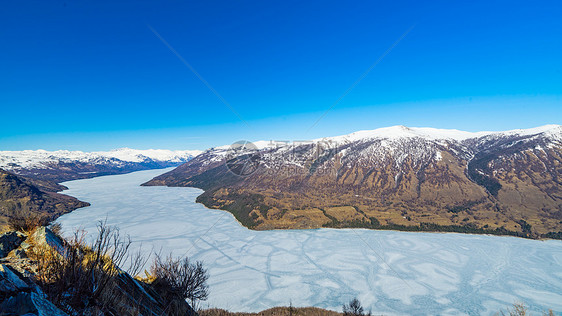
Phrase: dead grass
[345,213]
[76,275]
[27,222]
[520,309]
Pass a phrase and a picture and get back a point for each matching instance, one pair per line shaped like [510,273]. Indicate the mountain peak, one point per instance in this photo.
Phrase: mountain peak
[401,131]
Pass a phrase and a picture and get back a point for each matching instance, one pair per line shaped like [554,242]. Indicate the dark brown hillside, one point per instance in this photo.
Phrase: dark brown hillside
[22,196]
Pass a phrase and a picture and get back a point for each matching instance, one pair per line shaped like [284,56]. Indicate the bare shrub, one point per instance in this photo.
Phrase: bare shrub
[85,278]
[519,309]
[180,279]
[76,277]
[56,228]
[27,222]
[354,308]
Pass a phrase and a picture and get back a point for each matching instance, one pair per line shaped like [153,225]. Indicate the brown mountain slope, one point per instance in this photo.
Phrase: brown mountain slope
[409,179]
[23,197]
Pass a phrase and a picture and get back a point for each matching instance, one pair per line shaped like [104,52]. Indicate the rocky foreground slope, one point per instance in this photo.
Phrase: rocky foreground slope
[396,178]
[39,276]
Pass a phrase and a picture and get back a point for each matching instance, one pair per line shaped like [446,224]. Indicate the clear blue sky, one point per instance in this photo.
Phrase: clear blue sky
[91,75]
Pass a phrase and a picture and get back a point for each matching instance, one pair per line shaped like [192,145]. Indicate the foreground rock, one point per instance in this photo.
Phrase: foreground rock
[21,295]
[29,304]
[10,241]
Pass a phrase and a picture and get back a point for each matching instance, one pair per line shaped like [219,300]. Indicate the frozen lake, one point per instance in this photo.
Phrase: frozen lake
[390,272]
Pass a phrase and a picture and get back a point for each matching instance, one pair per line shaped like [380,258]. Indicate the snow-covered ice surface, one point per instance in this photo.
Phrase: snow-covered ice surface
[390,272]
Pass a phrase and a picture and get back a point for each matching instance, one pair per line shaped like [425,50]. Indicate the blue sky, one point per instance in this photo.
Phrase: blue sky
[91,75]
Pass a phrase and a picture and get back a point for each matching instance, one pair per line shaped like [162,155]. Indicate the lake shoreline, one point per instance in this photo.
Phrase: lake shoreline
[324,267]
[406,229]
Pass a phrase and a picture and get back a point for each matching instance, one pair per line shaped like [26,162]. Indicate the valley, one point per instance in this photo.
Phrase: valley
[334,218]
[280,158]
[391,272]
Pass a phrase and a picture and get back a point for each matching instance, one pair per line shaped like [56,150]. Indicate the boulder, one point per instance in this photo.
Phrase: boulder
[10,241]
[44,236]
[29,304]
[10,282]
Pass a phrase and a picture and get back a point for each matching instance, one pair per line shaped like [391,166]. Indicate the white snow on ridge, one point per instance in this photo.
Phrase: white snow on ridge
[36,158]
[550,130]
[390,142]
[399,132]
[137,155]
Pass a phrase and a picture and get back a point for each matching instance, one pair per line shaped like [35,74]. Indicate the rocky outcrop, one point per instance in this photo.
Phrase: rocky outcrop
[10,241]
[20,295]
[10,282]
[29,304]
[44,236]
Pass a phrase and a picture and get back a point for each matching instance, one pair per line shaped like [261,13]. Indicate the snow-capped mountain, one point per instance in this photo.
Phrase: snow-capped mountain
[395,176]
[62,165]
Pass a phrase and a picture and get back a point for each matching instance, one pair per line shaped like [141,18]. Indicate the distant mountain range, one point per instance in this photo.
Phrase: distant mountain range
[64,165]
[390,178]
[29,181]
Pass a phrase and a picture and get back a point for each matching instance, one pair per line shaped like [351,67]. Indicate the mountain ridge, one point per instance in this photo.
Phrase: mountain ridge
[502,182]
[398,131]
